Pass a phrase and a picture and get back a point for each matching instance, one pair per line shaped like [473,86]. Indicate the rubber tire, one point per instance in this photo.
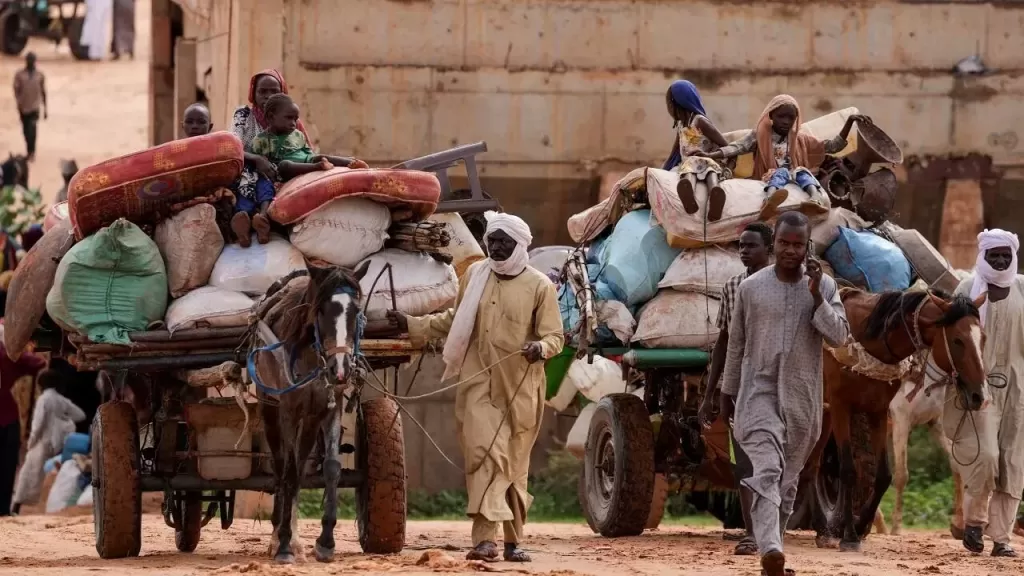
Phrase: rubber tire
[658,502]
[381,499]
[12,46]
[74,35]
[117,494]
[581,494]
[625,418]
[187,539]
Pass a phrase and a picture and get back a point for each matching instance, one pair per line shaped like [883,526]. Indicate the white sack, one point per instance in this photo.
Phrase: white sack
[597,380]
[190,243]
[422,285]
[252,270]
[343,231]
[703,270]
[208,307]
[676,319]
[617,318]
[86,498]
[825,233]
[548,258]
[64,491]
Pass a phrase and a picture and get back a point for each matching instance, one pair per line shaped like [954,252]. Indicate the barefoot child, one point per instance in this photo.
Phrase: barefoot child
[695,134]
[286,147]
[783,155]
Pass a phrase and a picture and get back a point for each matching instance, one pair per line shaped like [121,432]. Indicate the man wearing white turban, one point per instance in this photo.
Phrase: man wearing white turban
[993,459]
[505,321]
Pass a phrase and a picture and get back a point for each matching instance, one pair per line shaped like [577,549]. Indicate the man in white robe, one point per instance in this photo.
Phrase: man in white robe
[991,462]
[505,321]
[773,375]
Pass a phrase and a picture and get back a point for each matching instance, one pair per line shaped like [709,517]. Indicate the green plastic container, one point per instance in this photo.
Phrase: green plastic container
[555,370]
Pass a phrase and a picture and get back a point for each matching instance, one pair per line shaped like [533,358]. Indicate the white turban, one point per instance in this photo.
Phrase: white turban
[985,274]
[465,315]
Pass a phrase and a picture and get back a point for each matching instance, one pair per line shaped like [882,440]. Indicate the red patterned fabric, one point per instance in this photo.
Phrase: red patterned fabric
[411,194]
[139,185]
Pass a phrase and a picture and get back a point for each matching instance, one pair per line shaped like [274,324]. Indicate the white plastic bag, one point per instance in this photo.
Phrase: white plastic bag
[64,491]
[252,270]
[597,380]
[208,307]
[343,231]
[676,319]
[422,284]
[703,270]
[86,498]
[190,243]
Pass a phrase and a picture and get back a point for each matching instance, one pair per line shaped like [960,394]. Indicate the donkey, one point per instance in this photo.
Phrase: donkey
[891,327]
[315,317]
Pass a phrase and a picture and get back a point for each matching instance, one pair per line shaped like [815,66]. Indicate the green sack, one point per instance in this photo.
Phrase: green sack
[109,284]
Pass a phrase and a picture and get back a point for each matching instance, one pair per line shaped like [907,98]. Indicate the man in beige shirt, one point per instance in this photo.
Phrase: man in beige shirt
[30,94]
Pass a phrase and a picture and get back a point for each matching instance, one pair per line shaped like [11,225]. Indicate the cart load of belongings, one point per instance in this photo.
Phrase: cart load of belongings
[655,274]
[142,250]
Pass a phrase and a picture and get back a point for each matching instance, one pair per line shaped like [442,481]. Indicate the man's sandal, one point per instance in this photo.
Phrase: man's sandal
[514,553]
[746,547]
[486,551]
[1003,551]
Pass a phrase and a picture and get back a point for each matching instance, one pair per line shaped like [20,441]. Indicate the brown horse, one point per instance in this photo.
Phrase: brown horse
[891,326]
[314,316]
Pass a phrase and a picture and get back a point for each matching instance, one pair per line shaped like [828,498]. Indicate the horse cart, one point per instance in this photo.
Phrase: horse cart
[163,426]
[52,19]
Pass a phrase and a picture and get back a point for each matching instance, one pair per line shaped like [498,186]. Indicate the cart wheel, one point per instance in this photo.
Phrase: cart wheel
[380,500]
[658,502]
[12,40]
[619,466]
[191,521]
[581,493]
[117,495]
[74,34]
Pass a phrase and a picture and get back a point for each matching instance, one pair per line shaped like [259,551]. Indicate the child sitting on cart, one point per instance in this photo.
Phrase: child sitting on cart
[288,150]
[783,155]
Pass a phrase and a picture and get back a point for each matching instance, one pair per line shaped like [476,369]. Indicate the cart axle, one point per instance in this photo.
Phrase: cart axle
[258,483]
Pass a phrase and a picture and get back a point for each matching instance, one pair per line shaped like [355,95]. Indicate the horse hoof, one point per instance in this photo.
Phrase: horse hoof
[956,532]
[845,546]
[323,554]
[285,559]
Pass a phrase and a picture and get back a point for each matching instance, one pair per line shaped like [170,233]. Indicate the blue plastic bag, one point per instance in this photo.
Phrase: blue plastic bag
[634,259]
[869,261]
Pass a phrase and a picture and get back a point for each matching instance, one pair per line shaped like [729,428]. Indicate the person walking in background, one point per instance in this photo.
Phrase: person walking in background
[94,29]
[27,364]
[993,456]
[30,94]
[756,253]
[124,29]
[772,377]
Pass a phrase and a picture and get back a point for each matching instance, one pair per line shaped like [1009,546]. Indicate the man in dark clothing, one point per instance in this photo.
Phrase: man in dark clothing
[30,94]
[10,426]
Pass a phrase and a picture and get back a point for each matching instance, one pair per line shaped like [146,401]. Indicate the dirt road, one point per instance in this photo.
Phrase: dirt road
[64,545]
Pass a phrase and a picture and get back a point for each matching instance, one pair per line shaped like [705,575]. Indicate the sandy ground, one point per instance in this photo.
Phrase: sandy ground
[98,110]
[48,544]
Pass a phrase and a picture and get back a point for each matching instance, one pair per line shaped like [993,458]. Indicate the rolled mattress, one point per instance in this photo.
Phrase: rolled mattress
[411,194]
[137,186]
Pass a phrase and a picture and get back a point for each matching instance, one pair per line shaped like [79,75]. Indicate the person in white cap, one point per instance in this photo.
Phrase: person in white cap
[504,323]
[992,460]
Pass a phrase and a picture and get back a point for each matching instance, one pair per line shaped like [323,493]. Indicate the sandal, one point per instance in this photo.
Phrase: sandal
[746,547]
[973,539]
[716,203]
[486,551]
[1003,551]
[514,553]
[687,194]
[770,207]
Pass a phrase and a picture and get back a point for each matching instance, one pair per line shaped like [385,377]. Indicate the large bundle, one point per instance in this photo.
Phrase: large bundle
[33,278]
[676,319]
[190,242]
[634,258]
[421,284]
[140,185]
[869,261]
[252,270]
[704,270]
[110,284]
[825,233]
[411,194]
[343,231]
[462,246]
[208,307]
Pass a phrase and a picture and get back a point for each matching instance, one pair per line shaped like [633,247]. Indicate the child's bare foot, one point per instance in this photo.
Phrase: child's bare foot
[242,227]
[262,226]
[325,164]
[358,165]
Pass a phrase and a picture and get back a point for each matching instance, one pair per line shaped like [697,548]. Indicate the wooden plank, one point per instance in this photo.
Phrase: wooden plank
[184,80]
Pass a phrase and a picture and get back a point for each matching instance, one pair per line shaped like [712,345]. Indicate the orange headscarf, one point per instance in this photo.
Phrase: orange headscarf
[257,112]
[805,151]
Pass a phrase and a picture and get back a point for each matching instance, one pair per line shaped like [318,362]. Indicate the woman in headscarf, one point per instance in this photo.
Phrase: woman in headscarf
[782,154]
[695,133]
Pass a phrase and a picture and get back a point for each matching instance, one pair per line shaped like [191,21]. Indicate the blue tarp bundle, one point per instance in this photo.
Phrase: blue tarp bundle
[869,261]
